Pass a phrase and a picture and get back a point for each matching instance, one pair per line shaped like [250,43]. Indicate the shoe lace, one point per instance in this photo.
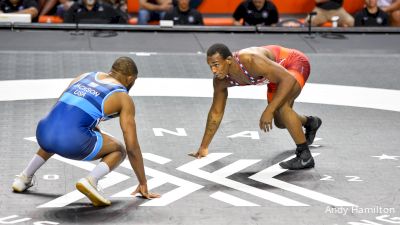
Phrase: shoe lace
[33,181]
[100,189]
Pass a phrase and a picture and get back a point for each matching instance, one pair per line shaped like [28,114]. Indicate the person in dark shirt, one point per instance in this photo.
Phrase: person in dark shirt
[371,15]
[327,9]
[91,11]
[47,7]
[256,12]
[182,14]
[152,10]
[121,6]
[20,6]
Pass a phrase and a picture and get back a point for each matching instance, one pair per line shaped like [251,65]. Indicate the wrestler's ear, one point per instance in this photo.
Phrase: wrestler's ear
[131,79]
[229,59]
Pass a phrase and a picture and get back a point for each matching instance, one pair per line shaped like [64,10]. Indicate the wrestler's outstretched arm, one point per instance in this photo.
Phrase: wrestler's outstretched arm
[214,117]
[128,126]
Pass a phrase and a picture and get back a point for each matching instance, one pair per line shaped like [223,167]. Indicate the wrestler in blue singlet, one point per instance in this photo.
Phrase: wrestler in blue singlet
[68,130]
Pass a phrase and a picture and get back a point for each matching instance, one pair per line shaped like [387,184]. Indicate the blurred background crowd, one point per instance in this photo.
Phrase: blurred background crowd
[289,13]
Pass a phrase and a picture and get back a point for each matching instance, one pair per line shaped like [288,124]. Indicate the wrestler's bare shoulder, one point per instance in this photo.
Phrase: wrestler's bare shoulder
[248,53]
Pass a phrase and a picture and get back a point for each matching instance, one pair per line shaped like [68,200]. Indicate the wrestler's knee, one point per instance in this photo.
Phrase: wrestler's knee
[279,124]
[119,148]
[122,152]
[278,121]
[281,114]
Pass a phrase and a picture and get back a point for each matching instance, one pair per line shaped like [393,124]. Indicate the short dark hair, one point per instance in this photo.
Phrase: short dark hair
[222,49]
[125,66]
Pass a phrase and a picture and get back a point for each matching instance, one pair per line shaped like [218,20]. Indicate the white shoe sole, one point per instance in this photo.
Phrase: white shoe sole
[16,189]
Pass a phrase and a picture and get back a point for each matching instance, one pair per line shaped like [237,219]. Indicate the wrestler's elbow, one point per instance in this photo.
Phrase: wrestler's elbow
[286,80]
[215,115]
[133,152]
[291,80]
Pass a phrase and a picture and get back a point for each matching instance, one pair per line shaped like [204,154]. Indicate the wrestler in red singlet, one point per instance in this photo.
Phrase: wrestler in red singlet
[272,65]
[294,61]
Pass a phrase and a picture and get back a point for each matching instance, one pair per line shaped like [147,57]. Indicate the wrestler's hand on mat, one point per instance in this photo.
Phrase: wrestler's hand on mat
[142,189]
[266,121]
[202,152]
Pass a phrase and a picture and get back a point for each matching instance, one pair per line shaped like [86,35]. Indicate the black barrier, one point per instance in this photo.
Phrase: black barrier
[328,30]
[231,29]
[5,25]
[118,27]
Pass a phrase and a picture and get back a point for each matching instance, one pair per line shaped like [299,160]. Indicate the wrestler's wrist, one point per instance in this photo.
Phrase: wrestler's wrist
[203,146]
[269,109]
[143,182]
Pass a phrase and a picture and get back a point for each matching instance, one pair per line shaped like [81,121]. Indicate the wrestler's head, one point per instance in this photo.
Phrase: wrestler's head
[219,58]
[126,68]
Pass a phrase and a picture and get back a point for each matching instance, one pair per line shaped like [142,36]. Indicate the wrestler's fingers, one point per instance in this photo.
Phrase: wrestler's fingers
[151,195]
[194,154]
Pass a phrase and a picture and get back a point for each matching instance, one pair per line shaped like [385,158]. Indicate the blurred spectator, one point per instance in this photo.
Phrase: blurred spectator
[152,10]
[256,12]
[371,15]
[20,6]
[182,14]
[326,9]
[47,7]
[54,7]
[120,6]
[91,11]
[64,6]
[392,7]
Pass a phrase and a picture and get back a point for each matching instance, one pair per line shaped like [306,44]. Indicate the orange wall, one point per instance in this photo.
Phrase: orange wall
[284,6]
[133,6]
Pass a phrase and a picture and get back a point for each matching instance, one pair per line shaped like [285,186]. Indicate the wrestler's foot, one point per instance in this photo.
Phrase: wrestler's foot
[303,160]
[87,188]
[22,183]
[312,125]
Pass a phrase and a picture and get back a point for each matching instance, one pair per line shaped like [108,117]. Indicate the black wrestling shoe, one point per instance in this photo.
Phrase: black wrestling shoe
[303,160]
[312,125]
